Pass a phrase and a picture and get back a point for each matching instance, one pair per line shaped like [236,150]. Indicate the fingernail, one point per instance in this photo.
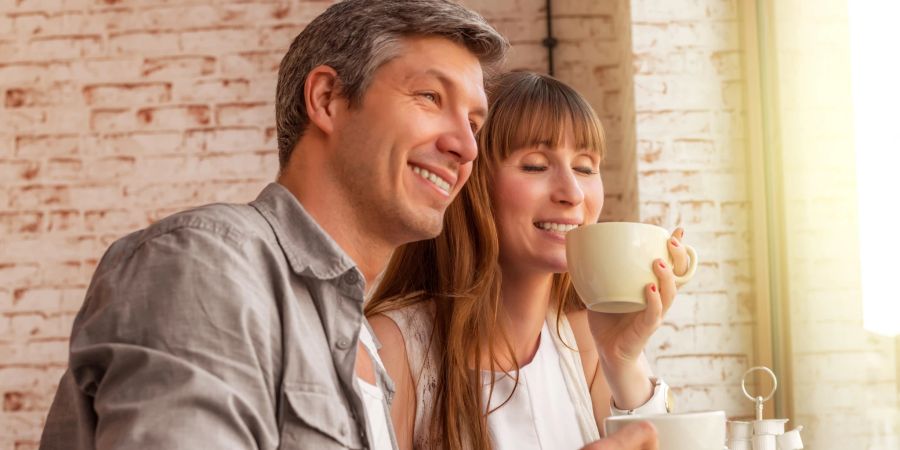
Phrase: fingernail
[653,287]
[675,242]
[662,264]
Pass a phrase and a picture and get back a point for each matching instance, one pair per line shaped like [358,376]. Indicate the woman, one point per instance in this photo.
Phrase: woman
[481,330]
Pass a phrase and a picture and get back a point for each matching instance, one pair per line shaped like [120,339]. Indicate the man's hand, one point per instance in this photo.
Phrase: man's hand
[636,436]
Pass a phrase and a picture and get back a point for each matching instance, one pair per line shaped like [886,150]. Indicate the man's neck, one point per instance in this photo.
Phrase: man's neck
[337,217]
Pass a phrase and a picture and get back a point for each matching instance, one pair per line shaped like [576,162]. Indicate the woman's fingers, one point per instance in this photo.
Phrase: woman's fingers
[654,311]
[666,277]
[680,258]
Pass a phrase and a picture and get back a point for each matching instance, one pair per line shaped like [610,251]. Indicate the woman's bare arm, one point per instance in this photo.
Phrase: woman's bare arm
[393,355]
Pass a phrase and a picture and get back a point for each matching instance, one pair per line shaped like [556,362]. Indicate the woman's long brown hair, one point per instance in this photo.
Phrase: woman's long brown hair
[459,269]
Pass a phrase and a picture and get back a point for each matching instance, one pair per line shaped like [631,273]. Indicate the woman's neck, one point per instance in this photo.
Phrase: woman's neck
[525,298]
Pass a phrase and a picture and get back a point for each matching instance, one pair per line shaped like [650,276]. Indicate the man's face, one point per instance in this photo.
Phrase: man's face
[405,152]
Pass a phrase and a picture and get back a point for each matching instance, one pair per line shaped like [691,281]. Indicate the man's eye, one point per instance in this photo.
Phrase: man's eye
[533,168]
[430,96]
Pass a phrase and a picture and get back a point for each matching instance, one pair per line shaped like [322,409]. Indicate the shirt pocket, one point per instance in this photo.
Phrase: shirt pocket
[316,418]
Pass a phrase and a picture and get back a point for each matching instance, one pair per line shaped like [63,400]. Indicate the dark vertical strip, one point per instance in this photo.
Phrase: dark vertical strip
[550,41]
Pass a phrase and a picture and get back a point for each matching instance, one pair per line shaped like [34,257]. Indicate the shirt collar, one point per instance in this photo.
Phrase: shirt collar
[308,248]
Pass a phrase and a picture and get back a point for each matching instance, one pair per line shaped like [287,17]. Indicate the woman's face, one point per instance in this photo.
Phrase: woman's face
[540,193]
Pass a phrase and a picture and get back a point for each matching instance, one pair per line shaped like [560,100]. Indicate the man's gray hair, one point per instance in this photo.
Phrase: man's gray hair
[355,37]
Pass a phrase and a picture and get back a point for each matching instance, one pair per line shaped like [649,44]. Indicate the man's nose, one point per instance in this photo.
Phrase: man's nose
[460,142]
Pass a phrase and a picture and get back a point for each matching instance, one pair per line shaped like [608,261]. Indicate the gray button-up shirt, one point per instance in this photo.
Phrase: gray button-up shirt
[225,327]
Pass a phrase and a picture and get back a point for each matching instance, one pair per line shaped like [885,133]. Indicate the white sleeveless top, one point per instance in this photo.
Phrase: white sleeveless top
[539,414]
[373,398]
[550,408]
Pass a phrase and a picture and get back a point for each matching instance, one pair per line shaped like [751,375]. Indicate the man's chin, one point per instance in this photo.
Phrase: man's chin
[424,226]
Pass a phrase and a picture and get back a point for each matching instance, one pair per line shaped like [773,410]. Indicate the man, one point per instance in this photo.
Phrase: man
[239,326]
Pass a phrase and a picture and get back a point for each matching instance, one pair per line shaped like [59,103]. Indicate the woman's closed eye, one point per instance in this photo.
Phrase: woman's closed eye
[533,168]
[586,170]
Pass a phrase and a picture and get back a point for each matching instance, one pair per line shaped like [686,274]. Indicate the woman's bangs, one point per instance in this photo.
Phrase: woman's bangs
[544,114]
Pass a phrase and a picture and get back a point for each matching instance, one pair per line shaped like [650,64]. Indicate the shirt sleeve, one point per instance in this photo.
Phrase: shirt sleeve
[176,345]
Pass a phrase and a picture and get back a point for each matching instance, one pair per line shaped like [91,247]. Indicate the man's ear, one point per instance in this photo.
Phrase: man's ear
[320,91]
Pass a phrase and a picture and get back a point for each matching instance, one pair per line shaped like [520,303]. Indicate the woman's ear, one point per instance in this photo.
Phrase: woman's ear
[320,91]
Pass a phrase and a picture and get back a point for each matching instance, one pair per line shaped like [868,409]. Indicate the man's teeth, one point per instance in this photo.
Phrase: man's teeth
[434,179]
[559,227]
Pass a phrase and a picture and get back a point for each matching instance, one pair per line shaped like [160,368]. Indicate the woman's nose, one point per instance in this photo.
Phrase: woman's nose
[567,189]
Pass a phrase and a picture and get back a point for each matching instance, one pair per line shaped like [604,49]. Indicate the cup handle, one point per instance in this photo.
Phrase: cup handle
[692,267]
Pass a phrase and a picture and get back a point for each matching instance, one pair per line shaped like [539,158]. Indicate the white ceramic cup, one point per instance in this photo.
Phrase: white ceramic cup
[687,431]
[611,263]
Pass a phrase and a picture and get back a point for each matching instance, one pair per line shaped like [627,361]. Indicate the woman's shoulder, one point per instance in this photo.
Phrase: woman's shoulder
[405,334]
[410,324]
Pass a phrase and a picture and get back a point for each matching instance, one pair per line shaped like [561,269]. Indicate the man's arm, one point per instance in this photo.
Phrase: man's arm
[176,345]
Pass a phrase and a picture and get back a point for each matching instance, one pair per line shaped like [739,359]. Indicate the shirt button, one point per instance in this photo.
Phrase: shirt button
[351,277]
[343,430]
[343,344]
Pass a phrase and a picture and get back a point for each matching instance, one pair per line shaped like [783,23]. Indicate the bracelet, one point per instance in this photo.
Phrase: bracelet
[660,402]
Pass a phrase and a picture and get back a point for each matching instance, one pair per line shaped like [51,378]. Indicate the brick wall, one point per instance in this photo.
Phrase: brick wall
[691,172]
[117,113]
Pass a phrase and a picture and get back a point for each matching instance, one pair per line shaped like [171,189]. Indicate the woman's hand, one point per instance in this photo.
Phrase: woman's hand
[621,338]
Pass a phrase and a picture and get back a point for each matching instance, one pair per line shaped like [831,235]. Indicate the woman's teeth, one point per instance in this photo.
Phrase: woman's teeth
[434,179]
[558,227]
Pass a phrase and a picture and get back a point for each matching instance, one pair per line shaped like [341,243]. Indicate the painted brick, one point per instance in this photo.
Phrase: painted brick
[114,167]
[681,36]
[133,143]
[583,28]
[36,325]
[712,398]
[277,37]
[222,90]
[166,67]
[59,247]
[223,39]
[586,8]
[15,427]
[126,43]
[17,171]
[127,94]
[36,300]
[16,272]
[109,70]
[716,369]
[6,25]
[251,63]
[120,220]
[112,119]
[50,95]
[684,10]
[62,169]
[173,117]
[66,220]
[225,139]
[36,351]
[18,222]
[236,114]
[519,30]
